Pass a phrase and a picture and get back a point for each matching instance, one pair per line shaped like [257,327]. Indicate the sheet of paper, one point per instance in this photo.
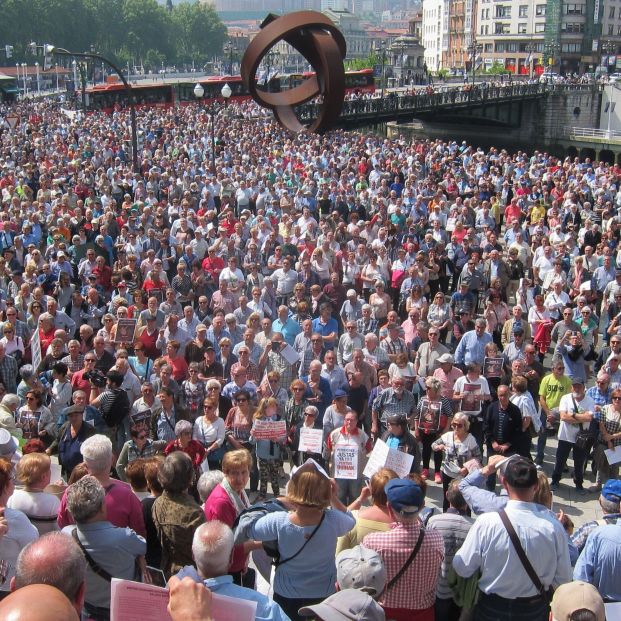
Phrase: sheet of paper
[290,355]
[384,457]
[613,455]
[311,440]
[346,462]
[613,611]
[134,601]
[56,472]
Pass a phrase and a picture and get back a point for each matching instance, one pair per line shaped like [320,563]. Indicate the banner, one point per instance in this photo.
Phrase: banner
[311,440]
[35,348]
[472,401]
[345,462]
[384,457]
[429,418]
[269,429]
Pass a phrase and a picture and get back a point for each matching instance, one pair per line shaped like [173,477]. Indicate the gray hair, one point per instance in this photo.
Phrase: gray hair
[211,548]
[85,498]
[97,453]
[183,426]
[10,400]
[207,483]
[609,506]
[464,418]
[367,307]
[434,383]
[175,472]
[213,383]
[54,559]
[480,322]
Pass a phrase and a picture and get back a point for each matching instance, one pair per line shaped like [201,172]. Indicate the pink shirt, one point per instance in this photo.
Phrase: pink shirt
[448,381]
[122,506]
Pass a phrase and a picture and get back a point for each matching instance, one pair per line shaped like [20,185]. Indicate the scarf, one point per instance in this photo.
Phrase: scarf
[240,501]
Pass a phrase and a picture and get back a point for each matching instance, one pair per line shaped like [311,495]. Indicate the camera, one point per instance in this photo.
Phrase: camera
[97,377]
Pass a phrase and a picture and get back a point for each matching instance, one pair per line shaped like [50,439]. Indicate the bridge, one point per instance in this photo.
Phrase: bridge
[501,106]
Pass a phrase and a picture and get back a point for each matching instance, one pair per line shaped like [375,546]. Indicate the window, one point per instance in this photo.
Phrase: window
[573,27]
[489,48]
[571,48]
[524,10]
[500,47]
[540,27]
[501,29]
[503,12]
[540,10]
[574,9]
[521,28]
[512,46]
[611,15]
[611,30]
[618,31]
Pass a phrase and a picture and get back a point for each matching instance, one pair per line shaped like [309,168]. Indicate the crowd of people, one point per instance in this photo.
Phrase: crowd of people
[182,337]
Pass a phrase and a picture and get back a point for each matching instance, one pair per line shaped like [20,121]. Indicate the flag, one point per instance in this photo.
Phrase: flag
[529,59]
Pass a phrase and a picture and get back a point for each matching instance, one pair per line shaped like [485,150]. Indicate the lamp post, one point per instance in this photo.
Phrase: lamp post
[38,81]
[213,110]
[611,105]
[382,50]
[17,77]
[474,48]
[228,50]
[530,48]
[128,91]
[56,71]
[25,75]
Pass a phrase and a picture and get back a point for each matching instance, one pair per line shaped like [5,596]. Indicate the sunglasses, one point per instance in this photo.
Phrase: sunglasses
[208,407]
[141,438]
[456,425]
[616,398]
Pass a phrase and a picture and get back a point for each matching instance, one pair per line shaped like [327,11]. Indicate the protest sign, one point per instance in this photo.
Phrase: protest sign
[384,457]
[492,367]
[311,440]
[125,330]
[269,429]
[345,462]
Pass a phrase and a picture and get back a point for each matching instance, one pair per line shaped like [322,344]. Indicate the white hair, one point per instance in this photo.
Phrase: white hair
[211,548]
[10,400]
[97,453]
[207,483]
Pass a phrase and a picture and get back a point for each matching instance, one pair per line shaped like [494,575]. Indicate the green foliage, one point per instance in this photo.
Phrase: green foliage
[497,69]
[356,64]
[139,31]
[442,73]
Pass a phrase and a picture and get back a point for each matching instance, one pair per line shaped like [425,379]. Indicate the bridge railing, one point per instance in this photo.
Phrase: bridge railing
[589,132]
[392,104]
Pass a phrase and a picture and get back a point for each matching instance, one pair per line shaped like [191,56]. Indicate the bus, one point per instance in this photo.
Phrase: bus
[167,93]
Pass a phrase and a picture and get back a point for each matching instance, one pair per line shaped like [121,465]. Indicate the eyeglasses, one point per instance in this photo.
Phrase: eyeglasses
[241,400]
[30,399]
[146,391]
[298,389]
[35,306]
[208,407]
[456,425]
[193,370]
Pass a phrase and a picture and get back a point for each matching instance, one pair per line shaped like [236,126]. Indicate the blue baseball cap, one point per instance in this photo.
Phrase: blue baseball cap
[338,393]
[404,496]
[612,490]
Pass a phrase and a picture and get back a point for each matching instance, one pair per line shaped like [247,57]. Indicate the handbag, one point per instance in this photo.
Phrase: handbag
[397,576]
[530,570]
[585,438]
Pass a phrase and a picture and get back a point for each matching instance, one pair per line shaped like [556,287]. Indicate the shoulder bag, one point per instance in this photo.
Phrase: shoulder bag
[278,561]
[530,570]
[585,439]
[407,563]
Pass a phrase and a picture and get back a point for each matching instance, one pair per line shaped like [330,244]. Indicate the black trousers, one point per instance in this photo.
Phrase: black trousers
[427,439]
[563,450]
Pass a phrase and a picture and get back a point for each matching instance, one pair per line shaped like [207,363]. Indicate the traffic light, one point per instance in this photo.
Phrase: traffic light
[8,50]
[48,51]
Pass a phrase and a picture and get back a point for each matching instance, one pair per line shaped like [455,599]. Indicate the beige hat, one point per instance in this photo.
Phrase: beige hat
[574,596]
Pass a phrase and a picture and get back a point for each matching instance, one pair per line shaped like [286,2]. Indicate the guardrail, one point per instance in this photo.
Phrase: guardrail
[421,101]
[587,132]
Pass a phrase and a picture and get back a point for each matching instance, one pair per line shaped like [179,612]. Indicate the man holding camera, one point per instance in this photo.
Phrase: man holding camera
[272,360]
[112,402]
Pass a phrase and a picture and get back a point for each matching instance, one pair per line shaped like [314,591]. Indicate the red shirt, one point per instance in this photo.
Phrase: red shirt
[213,266]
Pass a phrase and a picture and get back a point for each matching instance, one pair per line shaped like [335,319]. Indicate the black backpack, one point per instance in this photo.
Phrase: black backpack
[118,408]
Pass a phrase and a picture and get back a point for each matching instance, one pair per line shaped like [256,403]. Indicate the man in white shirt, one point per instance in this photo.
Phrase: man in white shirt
[576,412]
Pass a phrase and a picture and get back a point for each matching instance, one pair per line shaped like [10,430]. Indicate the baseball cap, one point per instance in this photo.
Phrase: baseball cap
[361,568]
[574,596]
[338,393]
[612,490]
[347,605]
[444,358]
[576,380]
[404,496]
[520,472]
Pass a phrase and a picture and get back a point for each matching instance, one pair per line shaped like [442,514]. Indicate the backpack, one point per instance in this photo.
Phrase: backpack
[117,409]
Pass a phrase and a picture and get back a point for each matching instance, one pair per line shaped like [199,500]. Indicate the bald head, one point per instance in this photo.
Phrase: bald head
[55,560]
[36,602]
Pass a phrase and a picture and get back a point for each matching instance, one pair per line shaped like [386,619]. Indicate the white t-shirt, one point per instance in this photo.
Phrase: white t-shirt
[36,505]
[569,431]
[460,382]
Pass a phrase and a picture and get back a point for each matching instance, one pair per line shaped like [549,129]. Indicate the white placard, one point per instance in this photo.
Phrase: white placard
[135,601]
[384,457]
[613,611]
[311,440]
[613,455]
[35,348]
[56,473]
[346,462]
[290,355]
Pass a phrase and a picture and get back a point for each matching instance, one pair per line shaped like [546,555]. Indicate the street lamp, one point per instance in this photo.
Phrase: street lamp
[530,48]
[382,49]
[25,75]
[474,48]
[213,110]
[38,82]
[611,105]
[51,49]
[228,50]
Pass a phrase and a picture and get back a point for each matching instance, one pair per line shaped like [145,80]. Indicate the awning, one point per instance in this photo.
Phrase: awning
[9,90]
